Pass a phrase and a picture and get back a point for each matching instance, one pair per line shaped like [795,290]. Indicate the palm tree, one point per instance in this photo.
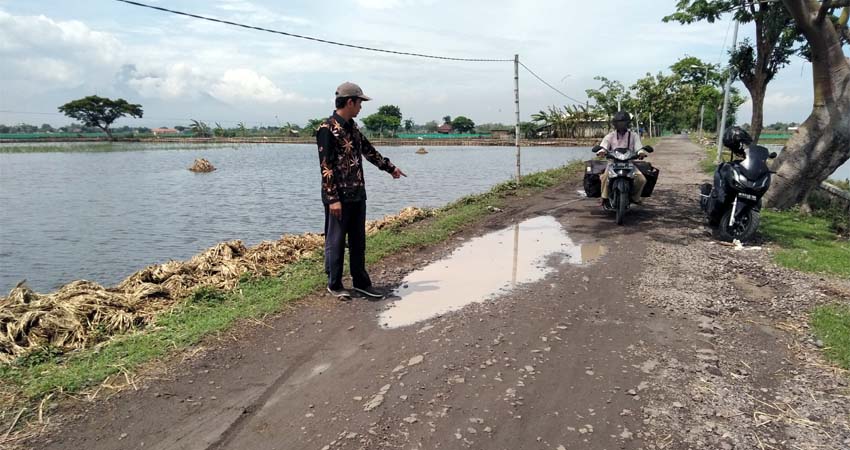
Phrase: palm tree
[562,123]
[200,129]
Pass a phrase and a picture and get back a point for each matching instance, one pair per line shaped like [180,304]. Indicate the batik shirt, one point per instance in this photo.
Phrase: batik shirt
[341,150]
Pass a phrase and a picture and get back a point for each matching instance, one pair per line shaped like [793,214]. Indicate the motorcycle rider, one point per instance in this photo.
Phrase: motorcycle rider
[622,137]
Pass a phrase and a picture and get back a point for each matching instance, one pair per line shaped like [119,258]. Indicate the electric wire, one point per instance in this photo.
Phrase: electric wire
[309,38]
[549,85]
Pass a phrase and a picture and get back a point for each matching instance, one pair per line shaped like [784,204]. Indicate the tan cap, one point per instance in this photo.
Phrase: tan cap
[349,89]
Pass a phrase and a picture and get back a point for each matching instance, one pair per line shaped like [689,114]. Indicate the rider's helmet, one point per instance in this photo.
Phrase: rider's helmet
[621,120]
[736,139]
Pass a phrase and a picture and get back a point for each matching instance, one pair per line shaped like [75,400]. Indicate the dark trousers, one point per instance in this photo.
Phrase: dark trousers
[353,225]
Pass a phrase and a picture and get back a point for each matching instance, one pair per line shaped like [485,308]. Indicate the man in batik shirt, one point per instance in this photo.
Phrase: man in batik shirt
[341,151]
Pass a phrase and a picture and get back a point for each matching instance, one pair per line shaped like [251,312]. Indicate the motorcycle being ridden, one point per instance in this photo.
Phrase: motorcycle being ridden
[733,203]
[622,182]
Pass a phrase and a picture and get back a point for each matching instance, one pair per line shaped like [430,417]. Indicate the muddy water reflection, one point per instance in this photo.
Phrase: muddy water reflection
[484,268]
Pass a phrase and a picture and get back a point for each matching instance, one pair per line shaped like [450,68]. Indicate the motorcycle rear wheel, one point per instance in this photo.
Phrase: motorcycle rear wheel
[743,229]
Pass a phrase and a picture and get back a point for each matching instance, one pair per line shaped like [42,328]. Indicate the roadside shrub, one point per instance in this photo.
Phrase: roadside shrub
[207,295]
[39,356]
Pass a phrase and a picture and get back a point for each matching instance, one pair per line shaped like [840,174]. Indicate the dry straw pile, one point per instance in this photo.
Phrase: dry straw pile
[202,165]
[83,313]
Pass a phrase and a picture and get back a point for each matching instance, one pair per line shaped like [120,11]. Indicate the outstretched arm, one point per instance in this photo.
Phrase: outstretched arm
[373,156]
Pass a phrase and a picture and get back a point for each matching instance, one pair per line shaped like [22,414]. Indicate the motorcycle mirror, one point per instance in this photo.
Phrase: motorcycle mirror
[772,155]
[648,148]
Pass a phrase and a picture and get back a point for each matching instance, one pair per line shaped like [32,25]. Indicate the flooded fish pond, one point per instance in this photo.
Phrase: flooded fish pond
[70,213]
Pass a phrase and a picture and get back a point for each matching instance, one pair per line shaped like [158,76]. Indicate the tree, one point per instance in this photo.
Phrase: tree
[391,111]
[290,129]
[100,112]
[463,124]
[408,125]
[608,96]
[242,129]
[447,119]
[431,126]
[822,143]
[528,130]
[200,129]
[565,123]
[388,118]
[313,125]
[755,64]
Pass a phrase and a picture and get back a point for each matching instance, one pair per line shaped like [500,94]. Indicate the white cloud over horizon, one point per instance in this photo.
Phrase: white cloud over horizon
[176,66]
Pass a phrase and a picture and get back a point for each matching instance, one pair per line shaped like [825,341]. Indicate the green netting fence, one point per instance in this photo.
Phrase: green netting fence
[444,136]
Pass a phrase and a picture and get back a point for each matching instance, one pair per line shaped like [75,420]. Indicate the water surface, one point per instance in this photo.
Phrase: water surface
[485,268]
[103,215]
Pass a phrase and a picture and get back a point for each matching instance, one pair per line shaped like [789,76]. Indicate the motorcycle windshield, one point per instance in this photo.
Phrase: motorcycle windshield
[755,163]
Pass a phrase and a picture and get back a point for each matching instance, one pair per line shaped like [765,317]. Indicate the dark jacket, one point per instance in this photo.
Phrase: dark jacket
[341,150]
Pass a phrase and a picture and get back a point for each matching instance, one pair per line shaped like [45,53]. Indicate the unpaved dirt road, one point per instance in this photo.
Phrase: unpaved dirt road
[669,340]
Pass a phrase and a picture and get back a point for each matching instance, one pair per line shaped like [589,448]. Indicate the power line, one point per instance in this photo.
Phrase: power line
[725,37]
[549,85]
[309,38]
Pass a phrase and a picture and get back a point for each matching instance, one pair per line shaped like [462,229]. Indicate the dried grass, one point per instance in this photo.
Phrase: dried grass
[202,165]
[83,313]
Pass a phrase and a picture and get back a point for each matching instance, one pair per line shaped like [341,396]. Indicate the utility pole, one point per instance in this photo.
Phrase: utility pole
[650,124]
[726,101]
[516,101]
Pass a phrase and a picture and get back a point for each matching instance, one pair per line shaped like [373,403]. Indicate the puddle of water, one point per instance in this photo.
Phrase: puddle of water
[592,252]
[484,268]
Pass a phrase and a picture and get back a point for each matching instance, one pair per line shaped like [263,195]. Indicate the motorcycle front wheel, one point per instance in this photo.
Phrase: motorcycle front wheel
[743,229]
[622,205]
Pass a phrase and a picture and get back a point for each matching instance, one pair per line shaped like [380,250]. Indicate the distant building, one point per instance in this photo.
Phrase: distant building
[501,133]
[445,128]
[162,130]
[793,128]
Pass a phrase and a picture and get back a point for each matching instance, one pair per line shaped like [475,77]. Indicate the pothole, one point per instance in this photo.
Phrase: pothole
[485,268]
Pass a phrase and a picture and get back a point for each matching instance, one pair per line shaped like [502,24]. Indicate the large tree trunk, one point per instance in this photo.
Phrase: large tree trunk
[822,143]
[757,122]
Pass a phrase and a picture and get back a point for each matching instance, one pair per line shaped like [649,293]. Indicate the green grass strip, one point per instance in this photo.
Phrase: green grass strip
[808,243]
[831,324]
[209,311]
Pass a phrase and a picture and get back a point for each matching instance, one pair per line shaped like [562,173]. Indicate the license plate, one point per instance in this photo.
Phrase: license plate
[747,197]
[622,166]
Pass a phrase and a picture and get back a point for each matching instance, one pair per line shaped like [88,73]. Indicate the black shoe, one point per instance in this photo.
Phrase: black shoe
[341,294]
[371,292]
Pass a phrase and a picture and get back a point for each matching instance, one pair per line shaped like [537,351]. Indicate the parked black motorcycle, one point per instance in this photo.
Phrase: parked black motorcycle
[733,203]
[621,174]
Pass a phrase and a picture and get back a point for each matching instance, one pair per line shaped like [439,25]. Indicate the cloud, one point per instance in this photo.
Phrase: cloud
[390,4]
[50,70]
[241,85]
[255,14]
[782,100]
[41,35]
[175,81]
[183,81]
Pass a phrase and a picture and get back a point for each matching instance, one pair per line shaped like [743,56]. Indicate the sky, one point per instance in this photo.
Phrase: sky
[179,68]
